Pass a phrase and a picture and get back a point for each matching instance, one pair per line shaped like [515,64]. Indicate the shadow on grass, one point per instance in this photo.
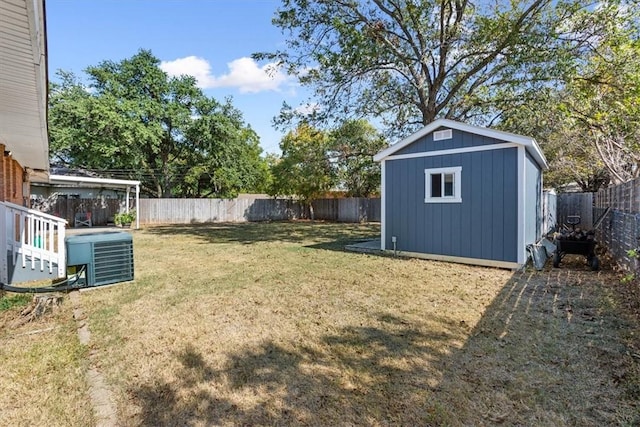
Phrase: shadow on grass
[330,234]
[356,376]
[546,351]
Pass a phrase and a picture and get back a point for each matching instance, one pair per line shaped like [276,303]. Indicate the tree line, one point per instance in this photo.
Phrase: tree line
[564,72]
[133,121]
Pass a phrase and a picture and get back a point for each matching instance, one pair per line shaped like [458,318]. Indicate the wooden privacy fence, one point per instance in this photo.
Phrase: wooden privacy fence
[620,230]
[549,211]
[102,210]
[580,204]
[623,197]
[188,211]
[347,210]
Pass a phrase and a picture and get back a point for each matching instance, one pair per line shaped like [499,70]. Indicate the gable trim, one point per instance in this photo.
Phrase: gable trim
[453,151]
[530,143]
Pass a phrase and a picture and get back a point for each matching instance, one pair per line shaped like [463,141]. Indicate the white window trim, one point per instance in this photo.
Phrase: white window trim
[457,185]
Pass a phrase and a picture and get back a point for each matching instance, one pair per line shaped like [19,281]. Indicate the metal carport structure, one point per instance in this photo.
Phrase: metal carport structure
[81,181]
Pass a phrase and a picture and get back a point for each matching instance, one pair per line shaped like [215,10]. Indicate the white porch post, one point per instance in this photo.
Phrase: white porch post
[127,200]
[62,250]
[137,206]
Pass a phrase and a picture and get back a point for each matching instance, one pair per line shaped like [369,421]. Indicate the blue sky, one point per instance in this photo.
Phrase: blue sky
[210,39]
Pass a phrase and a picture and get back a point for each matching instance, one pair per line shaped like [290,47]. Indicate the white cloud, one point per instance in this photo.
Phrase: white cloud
[190,66]
[244,74]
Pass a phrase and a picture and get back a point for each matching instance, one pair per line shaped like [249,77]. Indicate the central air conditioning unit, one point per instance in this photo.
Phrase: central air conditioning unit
[106,256]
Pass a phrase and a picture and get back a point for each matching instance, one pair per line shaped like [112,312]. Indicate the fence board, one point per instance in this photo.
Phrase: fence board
[102,210]
[185,211]
[620,230]
[576,204]
[549,212]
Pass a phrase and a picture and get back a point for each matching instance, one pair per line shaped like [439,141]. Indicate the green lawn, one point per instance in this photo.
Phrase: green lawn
[273,324]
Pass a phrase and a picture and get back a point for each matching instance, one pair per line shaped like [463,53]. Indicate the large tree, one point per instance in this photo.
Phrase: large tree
[603,102]
[572,157]
[353,145]
[589,127]
[305,169]
[134,120]
[407,62]
[314,161]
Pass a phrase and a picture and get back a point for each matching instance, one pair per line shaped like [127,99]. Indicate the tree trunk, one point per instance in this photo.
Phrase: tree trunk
[311,213]
[40,305]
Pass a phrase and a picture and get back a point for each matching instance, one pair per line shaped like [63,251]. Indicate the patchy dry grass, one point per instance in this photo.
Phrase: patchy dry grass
[272,324]
[548,351]
[42,380]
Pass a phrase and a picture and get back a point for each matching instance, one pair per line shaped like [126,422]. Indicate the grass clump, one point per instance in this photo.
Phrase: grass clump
[9,301]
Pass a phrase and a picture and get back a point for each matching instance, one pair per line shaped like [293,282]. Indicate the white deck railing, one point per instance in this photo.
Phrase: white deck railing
[34,240]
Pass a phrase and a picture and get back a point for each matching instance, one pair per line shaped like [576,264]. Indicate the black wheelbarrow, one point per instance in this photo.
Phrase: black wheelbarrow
[577,247]
[577,243]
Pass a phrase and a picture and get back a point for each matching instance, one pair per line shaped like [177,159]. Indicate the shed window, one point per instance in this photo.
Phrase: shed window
[443,185]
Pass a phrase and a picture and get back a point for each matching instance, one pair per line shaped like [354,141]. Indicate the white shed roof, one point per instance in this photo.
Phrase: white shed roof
[530,144]
[85,181]
[23,82]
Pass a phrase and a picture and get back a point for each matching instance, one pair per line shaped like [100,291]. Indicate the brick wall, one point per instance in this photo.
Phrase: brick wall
[11,179]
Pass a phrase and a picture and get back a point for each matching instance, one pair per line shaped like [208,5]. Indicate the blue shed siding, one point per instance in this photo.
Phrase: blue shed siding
[460,140]
[483,226]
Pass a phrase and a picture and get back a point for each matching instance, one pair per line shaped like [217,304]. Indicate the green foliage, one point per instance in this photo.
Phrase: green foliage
[408,62]
[8,302]
[571,158]
[589,126]
[305,169]
[225,168]
[314,161]
[628,278]
[353,145]
[633,254]
[124,218]
[136,120]
[603,102]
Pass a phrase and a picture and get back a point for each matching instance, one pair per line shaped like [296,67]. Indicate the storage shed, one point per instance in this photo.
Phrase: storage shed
[462,193]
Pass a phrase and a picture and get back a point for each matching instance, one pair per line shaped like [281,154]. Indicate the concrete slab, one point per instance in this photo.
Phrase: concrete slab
[368,246]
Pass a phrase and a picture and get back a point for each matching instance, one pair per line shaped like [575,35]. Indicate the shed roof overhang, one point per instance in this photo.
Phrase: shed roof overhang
[85,181]
[530,144]
[23,82]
